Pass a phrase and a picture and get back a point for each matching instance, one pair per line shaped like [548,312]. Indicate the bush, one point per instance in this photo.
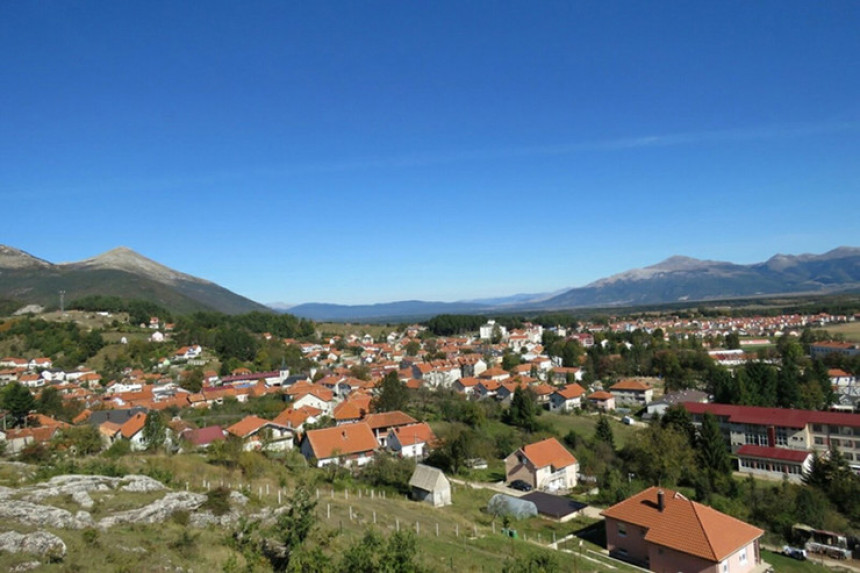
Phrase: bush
[217,501]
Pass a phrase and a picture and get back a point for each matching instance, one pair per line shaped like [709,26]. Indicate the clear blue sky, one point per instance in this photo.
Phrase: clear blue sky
[357,152]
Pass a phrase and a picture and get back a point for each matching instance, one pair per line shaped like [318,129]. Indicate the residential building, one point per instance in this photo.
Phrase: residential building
[567,398]
[664,531]
[545,465]
[632,393]
[804,430]
[352,444]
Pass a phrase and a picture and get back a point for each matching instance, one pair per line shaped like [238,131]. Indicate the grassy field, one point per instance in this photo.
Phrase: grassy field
[460,537]
[584,425]
[850,330]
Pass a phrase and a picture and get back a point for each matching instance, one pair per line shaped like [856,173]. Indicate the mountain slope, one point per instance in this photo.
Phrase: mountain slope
[685,279]
[120,272]
[677,279]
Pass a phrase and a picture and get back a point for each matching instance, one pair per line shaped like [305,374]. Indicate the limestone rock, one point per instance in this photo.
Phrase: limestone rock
[39,543]
[29,513]
[157,511]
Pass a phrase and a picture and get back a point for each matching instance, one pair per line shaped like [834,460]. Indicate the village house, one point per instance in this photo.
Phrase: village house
[383,422]
[567,398]
[632,393]
[662,530]
[411,441]
[259,434]
[601,400]
[545,465]
[352,444]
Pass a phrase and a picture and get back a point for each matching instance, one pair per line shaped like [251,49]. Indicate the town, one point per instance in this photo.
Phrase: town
[618,432]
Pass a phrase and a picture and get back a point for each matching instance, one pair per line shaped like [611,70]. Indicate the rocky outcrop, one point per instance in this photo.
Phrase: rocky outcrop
[75,485]
[41,543]
[37,515]
[157,511]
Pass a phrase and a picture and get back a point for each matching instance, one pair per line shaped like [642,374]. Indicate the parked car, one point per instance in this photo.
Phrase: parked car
[794,552]
[520,485]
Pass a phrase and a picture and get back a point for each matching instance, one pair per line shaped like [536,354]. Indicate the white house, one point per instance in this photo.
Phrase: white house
[545,465]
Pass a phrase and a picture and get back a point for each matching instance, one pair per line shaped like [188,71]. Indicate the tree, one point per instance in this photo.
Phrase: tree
[712,452]
[603,432]
[154,430]
[291,529]
[372,552]
[393,394]
[524,410]
[18,401]
[413,347]
[82,440]
[678,418]
[50,402]
[733,341]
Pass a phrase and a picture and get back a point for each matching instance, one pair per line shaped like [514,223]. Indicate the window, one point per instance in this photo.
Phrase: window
[622,529]
[743,556]
[819,441]
[782,436]
[816,428]
[725,567]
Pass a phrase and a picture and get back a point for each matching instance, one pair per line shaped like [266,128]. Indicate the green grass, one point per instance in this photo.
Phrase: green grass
[584,425]
[785,564]
[851,331]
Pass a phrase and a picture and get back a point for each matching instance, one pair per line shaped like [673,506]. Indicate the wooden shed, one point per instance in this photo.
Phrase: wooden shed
[430,485]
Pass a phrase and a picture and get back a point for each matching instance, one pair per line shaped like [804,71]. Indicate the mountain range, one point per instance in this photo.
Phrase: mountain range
[677,279]
[119,272]
[122,272]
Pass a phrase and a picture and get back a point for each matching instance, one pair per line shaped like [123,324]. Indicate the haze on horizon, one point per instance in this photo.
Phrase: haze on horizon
[362,153]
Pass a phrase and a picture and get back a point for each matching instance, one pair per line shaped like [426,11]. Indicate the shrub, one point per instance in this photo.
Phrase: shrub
[217,501]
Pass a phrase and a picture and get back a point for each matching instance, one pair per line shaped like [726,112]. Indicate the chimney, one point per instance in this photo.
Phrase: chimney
[660,502]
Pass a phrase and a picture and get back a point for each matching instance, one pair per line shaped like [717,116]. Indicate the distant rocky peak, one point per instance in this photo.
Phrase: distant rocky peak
[12,258]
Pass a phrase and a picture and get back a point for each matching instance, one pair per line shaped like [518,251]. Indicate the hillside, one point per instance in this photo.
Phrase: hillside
[119,272]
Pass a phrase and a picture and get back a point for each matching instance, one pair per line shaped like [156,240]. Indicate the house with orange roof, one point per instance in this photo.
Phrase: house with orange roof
[259,434]
[466,386]
[567,398]
[315,397]
[487,388]
[296,418]
[132,430]
[495,373]
[664,531]
[633,393]
[348,412]
[545,465]
[383,422]
[18,439]
[351,444]
[411,440]
[562,374]
[602,400]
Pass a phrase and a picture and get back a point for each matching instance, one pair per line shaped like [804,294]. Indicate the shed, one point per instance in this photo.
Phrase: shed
[430,485]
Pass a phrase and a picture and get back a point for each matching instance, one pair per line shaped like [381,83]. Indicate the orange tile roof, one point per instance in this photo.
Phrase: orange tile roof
[571,391]
[133,425]
[82,417]
[600,395]
[548,452]
[349,410]
[685,525]
[341,440]
[295,417]
[247,426]
[388,419]
[414,434]
[631,385]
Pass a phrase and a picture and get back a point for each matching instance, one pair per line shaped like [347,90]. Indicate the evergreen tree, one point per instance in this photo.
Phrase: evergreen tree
[393,394]
[154,430]
[712,451]
[18,401]
[523,411]
[603,432]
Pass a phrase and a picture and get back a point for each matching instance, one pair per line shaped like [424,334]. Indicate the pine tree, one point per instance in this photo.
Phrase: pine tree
[603,432]
[18,401]
[713,454]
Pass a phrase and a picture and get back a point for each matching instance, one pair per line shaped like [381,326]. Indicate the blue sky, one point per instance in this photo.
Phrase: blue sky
[358,152]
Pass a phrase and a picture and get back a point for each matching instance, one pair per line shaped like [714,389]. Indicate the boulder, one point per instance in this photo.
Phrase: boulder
[39,543]
[157,511]
[36,515]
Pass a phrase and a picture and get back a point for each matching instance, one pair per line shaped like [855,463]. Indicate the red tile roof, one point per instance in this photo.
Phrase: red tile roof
[414,434]
[341,440]
[776,454]
[634,385]
[388,419]
[571,391]
[785,417]
[133,425]
[548,452]
[684,525]
[247,426]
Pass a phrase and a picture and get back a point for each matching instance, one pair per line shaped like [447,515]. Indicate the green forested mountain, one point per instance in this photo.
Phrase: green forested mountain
[120,272]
